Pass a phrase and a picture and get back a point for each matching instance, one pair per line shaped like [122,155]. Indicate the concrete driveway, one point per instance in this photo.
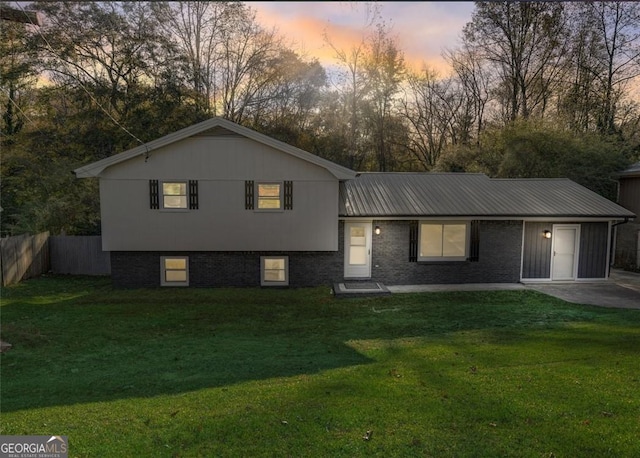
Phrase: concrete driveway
[622,290]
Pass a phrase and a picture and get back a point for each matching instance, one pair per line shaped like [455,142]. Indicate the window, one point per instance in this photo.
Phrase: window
[175,271]
[174,194]
[269,197]
[274,270]
[443,241]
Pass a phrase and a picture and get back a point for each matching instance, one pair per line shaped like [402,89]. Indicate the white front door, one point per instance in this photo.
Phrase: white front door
[564,252]
[357,249]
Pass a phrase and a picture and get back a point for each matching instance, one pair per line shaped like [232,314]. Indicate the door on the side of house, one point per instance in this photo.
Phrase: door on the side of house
[564,251]
[357,249]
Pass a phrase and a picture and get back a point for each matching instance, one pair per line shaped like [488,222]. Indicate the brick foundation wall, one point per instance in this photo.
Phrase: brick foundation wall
[217,269]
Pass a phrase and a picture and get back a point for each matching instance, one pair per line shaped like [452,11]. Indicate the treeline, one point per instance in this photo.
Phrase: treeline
[538,89]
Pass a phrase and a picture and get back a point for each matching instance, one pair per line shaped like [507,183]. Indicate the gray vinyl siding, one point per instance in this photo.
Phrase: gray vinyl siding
[593,250]
[536,256]
[221,223]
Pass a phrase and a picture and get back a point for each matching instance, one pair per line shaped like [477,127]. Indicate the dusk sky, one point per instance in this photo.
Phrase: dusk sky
[422,29]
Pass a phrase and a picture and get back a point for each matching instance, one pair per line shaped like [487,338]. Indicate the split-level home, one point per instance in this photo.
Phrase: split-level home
[628,232]
[217,204]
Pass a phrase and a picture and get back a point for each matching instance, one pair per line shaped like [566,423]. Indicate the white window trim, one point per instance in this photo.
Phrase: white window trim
[162,195]
[257,196]
[445,258]
[163,270]
[264,282]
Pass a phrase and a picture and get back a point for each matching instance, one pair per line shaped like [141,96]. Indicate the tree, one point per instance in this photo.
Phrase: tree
[430,108]
[384,71]
[524,43]
[285,108]
[17,68]
[197,29]
[351,87]
[475,81]
[618,35]
[246,53]
[538,149]
[109,48]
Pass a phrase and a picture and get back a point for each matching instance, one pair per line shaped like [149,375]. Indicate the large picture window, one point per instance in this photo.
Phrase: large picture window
[443,241]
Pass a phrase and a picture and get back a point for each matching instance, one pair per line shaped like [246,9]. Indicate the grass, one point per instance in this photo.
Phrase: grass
[251,372]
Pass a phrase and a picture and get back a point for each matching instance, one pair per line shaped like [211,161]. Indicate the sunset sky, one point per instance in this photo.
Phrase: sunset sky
[423,29]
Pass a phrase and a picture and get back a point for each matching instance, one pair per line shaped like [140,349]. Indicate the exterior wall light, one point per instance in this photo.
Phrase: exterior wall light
[546,234]
[377,230]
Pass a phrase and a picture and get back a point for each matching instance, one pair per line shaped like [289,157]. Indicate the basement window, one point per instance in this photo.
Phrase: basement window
[274,270]
[175,271]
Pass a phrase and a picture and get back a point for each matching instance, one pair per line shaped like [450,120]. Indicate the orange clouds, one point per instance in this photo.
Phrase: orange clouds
[422,29]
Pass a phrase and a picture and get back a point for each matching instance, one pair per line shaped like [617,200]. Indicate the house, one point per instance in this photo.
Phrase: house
[628,234]
[217,204]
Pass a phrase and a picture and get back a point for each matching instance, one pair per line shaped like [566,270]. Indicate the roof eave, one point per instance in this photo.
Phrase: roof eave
[612,217]
[96,168]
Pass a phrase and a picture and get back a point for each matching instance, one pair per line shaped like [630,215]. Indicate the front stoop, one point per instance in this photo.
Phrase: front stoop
[360,289]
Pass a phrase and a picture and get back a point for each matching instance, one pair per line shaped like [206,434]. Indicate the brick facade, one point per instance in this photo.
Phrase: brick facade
[499,262]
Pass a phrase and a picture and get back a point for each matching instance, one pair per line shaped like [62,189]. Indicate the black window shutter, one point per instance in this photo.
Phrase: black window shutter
[154,201]
[413,241]
[248,195]
[474,248]
[288,195]
[193,194]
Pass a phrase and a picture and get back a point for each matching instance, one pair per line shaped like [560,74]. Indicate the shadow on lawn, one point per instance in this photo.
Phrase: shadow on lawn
[99,346]
[94,372]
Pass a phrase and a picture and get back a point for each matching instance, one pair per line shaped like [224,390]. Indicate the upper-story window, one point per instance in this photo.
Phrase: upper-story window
[269,196]
[174,194]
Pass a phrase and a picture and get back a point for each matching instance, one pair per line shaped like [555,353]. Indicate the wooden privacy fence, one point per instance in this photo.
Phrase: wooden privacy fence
[24,256]
[79,255]
[27,256]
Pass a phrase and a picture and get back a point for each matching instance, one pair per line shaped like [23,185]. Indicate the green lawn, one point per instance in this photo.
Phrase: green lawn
[251,372]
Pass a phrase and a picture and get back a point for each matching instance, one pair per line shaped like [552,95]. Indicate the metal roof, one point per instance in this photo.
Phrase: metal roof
[633,170]
[470,195]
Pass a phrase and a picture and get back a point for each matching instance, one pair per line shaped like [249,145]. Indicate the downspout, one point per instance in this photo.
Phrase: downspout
[614,234]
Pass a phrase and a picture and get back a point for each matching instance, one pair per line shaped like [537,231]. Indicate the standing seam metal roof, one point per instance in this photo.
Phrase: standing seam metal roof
[462,194]
[633,170]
